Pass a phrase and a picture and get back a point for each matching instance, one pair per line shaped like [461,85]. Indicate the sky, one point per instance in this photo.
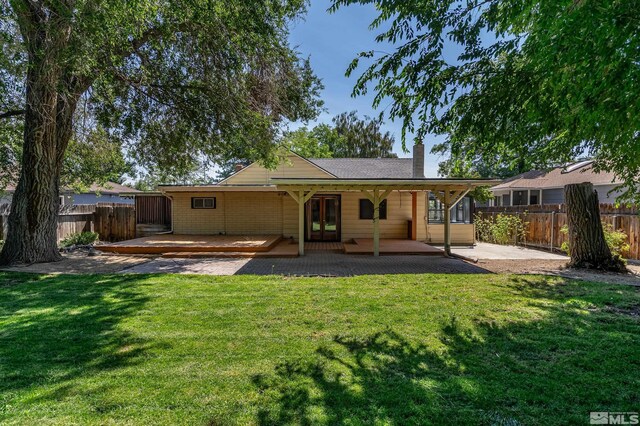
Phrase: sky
[332,41]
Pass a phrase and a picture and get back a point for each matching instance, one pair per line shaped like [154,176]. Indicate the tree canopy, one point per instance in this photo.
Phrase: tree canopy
[547,80]
[176,82]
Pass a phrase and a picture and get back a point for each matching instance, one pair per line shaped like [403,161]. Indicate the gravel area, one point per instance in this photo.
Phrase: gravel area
[558,267]
[81,263]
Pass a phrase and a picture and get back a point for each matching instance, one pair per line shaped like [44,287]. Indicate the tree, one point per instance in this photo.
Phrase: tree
[361,138]
[549,80]
[177,81]
[350,137]
[587,245]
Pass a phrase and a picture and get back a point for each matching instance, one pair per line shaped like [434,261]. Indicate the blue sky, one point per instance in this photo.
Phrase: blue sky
[332,41]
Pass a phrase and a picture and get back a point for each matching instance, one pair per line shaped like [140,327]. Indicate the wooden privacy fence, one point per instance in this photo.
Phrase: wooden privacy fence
[545,222]
[113,222]
[153,210]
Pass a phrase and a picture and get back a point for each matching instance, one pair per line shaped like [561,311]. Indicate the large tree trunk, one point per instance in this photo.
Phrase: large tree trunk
[587,246]
[49,108]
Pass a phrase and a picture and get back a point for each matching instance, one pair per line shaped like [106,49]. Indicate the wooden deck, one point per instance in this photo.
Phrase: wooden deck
[392,247]
[286,248]
[331,246]
[200,246]
[172,243]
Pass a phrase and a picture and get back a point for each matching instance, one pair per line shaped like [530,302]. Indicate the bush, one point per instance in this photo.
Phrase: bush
[616,240]
[80,239]
[503,229]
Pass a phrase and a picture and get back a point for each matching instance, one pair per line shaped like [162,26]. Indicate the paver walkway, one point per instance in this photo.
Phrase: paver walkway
[313,263]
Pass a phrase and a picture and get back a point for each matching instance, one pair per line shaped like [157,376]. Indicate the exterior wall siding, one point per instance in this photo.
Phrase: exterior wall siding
[395,226]
[461,233]
[247,213]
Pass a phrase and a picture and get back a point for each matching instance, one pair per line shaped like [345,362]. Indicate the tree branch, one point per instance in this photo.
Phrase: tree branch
[12,113]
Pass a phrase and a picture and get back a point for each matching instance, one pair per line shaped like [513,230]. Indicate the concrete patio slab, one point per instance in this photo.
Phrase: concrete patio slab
[499,252]
[314,263]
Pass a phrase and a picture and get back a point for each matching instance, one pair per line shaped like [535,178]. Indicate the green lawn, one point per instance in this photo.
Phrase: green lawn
[397,349]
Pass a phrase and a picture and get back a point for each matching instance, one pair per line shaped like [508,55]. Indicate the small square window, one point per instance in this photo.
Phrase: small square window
[366,209]
[203,202]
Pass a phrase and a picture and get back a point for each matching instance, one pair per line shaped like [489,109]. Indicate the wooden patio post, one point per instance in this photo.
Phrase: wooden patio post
[447,222]
[376,223]
[301,222]
[414,215]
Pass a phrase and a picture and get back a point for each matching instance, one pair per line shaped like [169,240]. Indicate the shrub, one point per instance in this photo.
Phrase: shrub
[616,240]
[503,229]
[80,239]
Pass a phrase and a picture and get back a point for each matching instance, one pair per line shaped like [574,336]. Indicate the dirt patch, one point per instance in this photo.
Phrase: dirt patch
[633,311]
[81,263]
[558,267]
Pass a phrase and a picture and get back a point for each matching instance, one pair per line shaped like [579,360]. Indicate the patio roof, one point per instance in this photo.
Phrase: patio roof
[420,184]
[448,191]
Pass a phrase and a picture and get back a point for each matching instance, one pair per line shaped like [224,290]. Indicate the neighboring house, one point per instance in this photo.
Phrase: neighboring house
[329,200]
[547,187]
[108,193]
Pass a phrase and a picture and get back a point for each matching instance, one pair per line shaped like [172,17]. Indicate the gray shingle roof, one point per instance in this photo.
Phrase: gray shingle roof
[367,168]
[559,177]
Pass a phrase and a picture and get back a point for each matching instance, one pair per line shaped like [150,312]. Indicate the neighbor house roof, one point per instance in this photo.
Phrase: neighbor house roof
[110,188]
[558,177]
[367,168]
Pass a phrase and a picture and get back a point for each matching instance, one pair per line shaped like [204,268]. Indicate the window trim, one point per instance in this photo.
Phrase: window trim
[383,209]
[203,207]
[460,206]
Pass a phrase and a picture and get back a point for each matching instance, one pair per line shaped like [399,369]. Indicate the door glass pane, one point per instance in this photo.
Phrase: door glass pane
[330,221]
[315,215]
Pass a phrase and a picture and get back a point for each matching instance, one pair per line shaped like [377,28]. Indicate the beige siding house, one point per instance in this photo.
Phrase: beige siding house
[329,200]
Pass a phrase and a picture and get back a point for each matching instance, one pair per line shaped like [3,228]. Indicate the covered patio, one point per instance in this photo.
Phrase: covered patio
[448,191]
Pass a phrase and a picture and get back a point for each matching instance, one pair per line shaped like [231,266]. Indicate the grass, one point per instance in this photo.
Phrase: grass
[403,349]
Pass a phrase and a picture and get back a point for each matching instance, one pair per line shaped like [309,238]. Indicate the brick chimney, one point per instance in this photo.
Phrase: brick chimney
[418,161]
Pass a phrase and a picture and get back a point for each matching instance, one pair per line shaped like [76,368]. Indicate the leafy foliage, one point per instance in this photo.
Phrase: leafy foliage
[529,82]
[178,83]
[80,239]
[96,158]
[349,137]
[502,229]
[617,240]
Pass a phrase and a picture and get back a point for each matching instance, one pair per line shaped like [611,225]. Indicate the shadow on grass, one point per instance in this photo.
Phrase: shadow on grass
[566,355]
[58,328]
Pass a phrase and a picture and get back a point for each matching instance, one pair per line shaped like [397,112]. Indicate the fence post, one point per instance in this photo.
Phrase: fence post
[553,216]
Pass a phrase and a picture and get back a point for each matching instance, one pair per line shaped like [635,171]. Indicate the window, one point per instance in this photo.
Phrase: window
[366,209]
[534,196]
[519,198]
[460,213]
[203,203]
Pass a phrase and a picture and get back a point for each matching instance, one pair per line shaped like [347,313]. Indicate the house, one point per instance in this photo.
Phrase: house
[322,200]
[547,187]
[108,193]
